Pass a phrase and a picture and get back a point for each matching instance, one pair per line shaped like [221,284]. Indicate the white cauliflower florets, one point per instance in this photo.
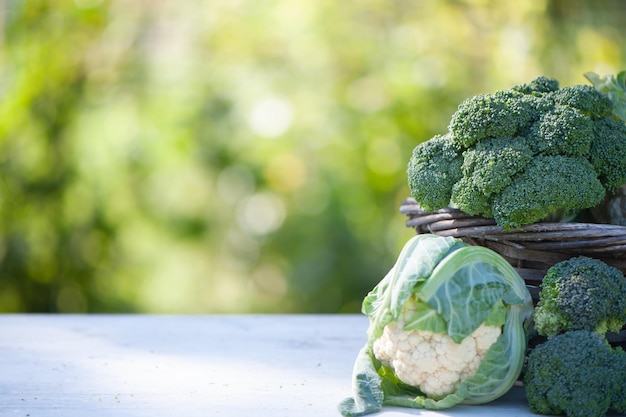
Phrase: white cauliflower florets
[432,361]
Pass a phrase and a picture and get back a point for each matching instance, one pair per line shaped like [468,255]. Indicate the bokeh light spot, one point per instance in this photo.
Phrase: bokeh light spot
[285,172]
[262,213]
[271,117]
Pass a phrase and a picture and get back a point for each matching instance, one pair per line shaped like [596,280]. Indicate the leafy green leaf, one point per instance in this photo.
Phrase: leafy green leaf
[465,287]
[366,385]
[425,318]
[416,261]
[614,86]
[503,363]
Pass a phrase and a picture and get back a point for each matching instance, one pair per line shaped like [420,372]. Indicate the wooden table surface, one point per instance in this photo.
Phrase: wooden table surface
[187,366]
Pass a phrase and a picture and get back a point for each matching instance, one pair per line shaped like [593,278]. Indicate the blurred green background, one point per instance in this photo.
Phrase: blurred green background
[227,156]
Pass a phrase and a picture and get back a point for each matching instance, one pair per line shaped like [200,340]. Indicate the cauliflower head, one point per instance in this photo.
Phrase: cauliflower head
[448,325]
[433,362]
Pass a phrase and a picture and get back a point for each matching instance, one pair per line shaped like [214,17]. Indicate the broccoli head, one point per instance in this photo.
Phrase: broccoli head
[577,374]
[502,114]
[492,164]
[581,293]
[468,197]
[563,131]
[531,153]
[608,152]
[434,168]
[548,184]
[487,169]
[538,86]
[585,98]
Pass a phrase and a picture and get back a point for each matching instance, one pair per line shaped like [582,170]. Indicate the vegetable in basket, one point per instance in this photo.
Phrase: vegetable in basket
[448,325]
[522,154]
[581,293]
[576,372]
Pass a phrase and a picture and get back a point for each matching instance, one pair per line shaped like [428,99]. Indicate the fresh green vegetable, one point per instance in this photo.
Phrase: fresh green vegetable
[437,167]
[548,184]
[614,86]
[581,293]
[522,154]
[576,373]
[608,152]
[448,325]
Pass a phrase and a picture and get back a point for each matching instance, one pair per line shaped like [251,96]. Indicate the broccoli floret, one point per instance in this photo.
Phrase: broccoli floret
[549,183]
[488,169]
[502,114]
[608,152]
[581,293]
[538,86]
[492,164]
[577,374]
[467,197]
[563,131]
[585,98]
[433,169]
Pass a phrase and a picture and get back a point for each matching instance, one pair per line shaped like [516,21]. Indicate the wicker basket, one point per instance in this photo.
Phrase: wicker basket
[532,249]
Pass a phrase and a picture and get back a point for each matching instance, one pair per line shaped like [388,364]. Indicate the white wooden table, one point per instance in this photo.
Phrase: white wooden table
[187,366]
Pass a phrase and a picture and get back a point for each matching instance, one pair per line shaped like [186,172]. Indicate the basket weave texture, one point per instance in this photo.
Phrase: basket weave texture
[531,249]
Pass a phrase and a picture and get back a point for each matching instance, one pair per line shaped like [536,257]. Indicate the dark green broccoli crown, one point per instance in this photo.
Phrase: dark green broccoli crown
[618,400]
[608,152]
[491,164]
[434,168]
[538,86]
[523,155]
[585,98]
[563,131]
[548,183]
[487,169]
[574,373]
[468,198]
[581,293]
[502,114]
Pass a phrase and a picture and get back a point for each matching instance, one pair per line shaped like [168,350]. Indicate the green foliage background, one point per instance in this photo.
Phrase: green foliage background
[216,156]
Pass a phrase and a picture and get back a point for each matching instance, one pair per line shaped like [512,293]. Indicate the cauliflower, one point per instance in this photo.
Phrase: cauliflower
[448,325]
[432,361]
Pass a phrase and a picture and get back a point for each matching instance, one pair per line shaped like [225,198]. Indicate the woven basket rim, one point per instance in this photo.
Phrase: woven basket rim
[534,246]
[456,219]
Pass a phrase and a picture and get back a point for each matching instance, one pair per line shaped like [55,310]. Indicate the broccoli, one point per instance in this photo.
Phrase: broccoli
[491,164]
[548,184]
[502,114]
[523,154]
[585,98]
[581,293]
[576,373]
[467,194]
[563,131]
[433,170]
[538,86]
[608,153]
[487,169]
